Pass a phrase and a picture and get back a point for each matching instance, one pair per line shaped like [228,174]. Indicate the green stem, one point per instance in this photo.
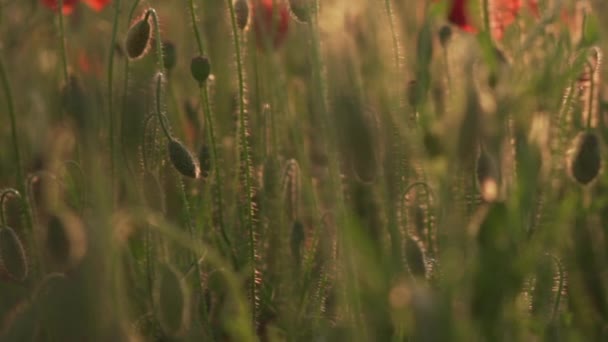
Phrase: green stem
[159,80]
[391,22]
[159,47]
[124,97]
[110,97]
[64,54]
[197,34]
[215,163]
[246,157]
[485,9]
[3,195]
[22,184]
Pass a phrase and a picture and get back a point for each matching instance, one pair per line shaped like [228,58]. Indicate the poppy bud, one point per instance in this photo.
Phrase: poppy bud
[200,68]
[138,38]
[241,11]
[586,159]
[182,159]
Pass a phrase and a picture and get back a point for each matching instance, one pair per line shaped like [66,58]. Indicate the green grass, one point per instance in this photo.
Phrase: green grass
[373,175]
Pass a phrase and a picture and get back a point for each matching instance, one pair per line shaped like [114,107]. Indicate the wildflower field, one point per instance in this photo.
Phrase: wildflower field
[303,170]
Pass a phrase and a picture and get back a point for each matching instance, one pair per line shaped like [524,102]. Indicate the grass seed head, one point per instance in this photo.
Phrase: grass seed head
[241,11]
[137,43]
[586,161]
[182,159]
[13,260]
[200,68]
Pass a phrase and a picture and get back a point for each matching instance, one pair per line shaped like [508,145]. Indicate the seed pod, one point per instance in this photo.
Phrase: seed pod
[172,301]
[300,9]
[182,159]
[204,159]
[241,11]
[138,38]
[65,241]
[13,260]
[586,159]
[169,54]
[200,68]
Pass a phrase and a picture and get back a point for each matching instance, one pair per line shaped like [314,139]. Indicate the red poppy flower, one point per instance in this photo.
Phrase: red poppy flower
[270,21]
[69,5]
[97,5]
[504,12]
[458,16]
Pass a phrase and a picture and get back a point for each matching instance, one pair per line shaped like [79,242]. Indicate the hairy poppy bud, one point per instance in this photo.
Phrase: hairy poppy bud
[586,159]
[182,159]
[138,38]
[241,11]
[200,68]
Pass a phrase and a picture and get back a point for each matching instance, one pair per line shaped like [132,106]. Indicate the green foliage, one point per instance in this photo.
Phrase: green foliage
[375,174]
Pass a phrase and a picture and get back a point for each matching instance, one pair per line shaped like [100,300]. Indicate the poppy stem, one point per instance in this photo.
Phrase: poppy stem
[64,54]
[110,97]
[124,98]
[159,48]
[246,158]
[485,10]
[208,117]
[22,184]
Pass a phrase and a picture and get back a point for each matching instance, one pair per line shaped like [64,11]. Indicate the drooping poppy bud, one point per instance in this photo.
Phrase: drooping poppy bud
[182,159]
[586,161]
[138,38]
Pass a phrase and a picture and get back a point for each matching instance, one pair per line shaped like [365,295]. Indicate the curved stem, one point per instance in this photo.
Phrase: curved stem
[159,47]
[5,193]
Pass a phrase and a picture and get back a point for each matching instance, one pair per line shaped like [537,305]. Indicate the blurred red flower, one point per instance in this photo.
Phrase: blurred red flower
[502,14]
[69,5]
[270,21]
[458,16]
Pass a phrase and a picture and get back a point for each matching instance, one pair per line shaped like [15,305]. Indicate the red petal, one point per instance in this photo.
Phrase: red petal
[458,16]
[97,5]
[265,24]
[68,5]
